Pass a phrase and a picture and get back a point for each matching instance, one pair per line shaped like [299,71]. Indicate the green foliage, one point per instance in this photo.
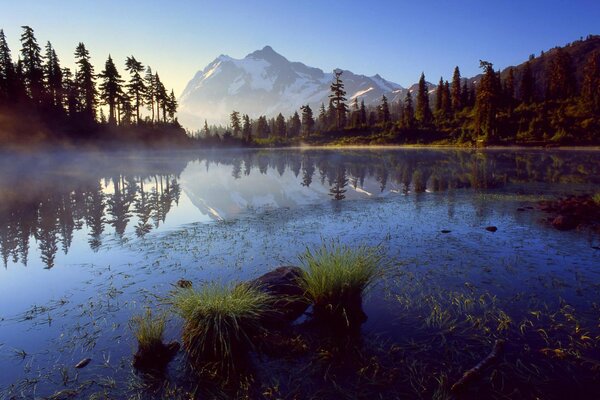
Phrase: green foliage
[220,320]
[148,330]
[596,198]
[335,272]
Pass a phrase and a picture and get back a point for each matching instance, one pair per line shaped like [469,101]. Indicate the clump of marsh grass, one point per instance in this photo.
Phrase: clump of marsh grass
[221,321]
[152,353]
[335,278]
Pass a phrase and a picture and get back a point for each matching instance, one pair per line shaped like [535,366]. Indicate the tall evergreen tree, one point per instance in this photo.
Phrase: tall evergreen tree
[362,113]
[172,106]
[32,65]
[384,111]
[455,91]
[446,100]
[71,93]
[110,88]
[136,88]
[53,77]
[246,128]
[590,88]
[7,73]
[150,92]
[161,98]
[323,125]
[294,126]
[423,111]
[236,123]
[438,95]
[308,121]
[262,127]
[85,83]
[338,99]
[408,114]
[526,88]
[280,130]
[486,106]
[206,130]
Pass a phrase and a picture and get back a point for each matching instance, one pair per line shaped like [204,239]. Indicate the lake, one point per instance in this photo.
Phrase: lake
[89,240]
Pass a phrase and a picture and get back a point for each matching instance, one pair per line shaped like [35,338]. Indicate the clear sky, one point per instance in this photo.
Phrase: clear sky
[397,39]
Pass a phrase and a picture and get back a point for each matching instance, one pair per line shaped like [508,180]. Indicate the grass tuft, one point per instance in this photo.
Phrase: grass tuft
[221,320]
[596,198]
[148,330]
[336,276]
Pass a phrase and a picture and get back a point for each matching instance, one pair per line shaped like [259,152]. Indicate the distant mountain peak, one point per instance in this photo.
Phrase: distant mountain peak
[266,83]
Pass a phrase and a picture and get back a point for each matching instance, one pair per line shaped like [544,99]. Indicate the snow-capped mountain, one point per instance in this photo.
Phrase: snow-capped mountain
[266,83]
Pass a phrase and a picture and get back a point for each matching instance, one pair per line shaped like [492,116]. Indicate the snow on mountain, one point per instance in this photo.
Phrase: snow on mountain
[266,83]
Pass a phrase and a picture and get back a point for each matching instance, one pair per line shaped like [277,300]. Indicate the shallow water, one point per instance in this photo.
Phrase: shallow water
[89,240]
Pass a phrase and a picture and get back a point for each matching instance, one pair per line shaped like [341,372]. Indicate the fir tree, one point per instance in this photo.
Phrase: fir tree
[32,65]
[455,91]
[246,128]
[308,121]
[71,93]
[384,111]
[136,88]
[423,112]
[262,127]
[280,130]
[338,100]
[172,106]
[526,89]
[53,77]
[486,105]
[322,118]
[150,92]
[7,73]
[206,130]
[236,123]
[161,98]
[363,113]
[85,83]
[110,88]
[438,95]
[295,125]
[408,114]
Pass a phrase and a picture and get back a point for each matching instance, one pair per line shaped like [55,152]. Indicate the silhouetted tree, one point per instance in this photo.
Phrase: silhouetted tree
[280,130]
[246,128]
[110,88]
[455,91]
[53,78]
[338,99]
[384,111]
[136,88]
[236,123]
[487,102]
[33,73]
[294,126]
[7,73]
[423,111]
[308,122]
[150,92]
[85,83]
[408,115]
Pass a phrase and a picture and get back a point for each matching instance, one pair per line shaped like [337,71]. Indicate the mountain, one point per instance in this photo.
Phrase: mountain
[266,83]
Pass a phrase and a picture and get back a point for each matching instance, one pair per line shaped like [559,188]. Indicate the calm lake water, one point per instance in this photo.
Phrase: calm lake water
[88,240]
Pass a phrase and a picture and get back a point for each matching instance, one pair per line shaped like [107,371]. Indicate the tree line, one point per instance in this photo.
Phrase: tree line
[37,84]
[494,108]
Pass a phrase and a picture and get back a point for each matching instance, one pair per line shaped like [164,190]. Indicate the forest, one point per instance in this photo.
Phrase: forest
[550,100]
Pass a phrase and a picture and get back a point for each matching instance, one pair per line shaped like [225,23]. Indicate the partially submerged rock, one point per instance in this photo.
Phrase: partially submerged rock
[573,212]
[491,228]
[283,283]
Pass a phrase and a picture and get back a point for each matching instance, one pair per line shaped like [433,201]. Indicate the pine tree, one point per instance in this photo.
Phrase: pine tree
[206,130]
[323,125]
[71,93]
[509,89]
[338,100]
[161,98]
[308,121]
[355,119]
[7,73]
[408,114]
[110,88]
[32,65]
[280,130]
[295,125]
[150,93]
[246,128]
[136,88]
[464,95]
[423,112]
[172,106]
[384,111]
[456,94]
[262,127]
[526,89]
[486,106]
[363,113]
[590,88]
[446,107]
[236,123]
[438,95]
[85,83]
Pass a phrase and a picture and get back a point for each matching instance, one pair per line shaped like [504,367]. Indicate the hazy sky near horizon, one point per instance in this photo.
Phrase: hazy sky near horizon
[397,39]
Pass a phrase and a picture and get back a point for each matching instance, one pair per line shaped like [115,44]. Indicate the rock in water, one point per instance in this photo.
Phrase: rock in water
[83,363]
[283,283]
[491,228]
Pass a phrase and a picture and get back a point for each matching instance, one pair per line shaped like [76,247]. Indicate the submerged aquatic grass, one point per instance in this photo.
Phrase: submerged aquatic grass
[220,320]
[336,276]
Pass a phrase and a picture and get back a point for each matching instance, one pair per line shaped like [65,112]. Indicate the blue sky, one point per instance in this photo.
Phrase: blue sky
[397,39]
